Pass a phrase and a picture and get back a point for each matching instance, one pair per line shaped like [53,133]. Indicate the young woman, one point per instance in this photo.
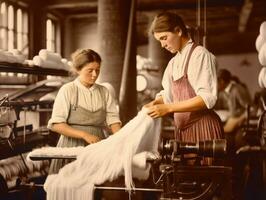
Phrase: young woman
[82,108]
[189,83]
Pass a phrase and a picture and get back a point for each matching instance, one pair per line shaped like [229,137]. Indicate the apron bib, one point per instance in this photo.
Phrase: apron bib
[80,118]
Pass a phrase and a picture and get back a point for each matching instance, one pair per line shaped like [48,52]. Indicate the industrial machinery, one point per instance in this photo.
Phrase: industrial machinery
[15,142]
[179,179]
[172,177]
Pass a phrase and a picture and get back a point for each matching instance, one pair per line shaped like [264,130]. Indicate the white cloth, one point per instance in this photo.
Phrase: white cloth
[262,55]
[55,152]
[6,56]
[51,56]
[139,160]
[262,77]
[201,74]
[223,114]
[47,63]
[88,98]
[106,160]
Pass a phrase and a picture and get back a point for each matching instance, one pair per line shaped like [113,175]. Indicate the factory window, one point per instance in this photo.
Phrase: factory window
[14,27]
[22,31]
[10,28]
[52,35]
[3,26]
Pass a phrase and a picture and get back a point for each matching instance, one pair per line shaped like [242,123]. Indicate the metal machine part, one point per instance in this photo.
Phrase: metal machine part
[180,180]
[211,148]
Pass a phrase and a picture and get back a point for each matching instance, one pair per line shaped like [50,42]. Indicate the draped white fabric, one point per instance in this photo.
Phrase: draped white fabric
[106,160]
[261,44]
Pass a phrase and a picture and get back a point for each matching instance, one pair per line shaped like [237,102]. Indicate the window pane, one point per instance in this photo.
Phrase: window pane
[25,44]
[50,35]
[10,26]
[10,17]
[49,29]
[14,32]
[3,26]
[19,20]
[19,29]
[3,14]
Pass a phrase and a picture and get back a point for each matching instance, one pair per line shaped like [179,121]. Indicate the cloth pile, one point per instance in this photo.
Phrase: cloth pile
[261,48]
[48,59]
[13,56]
[107,160]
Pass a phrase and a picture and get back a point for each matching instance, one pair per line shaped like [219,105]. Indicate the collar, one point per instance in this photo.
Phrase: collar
[228,87]
[79,84]
[185,47]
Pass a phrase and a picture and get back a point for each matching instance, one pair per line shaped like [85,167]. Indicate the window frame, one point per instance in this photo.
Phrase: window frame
[6,30]
[55,40]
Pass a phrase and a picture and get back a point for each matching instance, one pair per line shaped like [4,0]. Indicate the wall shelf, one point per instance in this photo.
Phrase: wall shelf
[26,69]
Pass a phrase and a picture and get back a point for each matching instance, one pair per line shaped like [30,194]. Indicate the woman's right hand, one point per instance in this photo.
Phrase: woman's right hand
[152,103]
[156,101]
[90,139]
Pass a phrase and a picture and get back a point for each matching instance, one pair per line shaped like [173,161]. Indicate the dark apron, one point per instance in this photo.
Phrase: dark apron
[82,119]
[198,125]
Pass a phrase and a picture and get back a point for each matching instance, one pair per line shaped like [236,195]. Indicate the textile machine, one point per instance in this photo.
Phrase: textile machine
[15,142]
[171,177]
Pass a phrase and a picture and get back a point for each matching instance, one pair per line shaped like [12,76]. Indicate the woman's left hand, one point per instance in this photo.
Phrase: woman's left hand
[158,110]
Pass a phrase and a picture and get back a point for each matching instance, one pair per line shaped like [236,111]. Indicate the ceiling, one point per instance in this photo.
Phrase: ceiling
[231,25]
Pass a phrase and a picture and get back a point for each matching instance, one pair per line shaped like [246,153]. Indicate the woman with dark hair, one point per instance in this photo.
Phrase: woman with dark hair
[233,95]
[82,108]
[189,83]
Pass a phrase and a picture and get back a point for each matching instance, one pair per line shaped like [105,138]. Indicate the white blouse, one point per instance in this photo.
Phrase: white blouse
[201,74]
[88,98]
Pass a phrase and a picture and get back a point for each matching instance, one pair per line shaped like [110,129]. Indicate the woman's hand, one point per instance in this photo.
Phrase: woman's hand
[158,110]
[115,127]
[152,103]
[159,100]
[90,139]
[68,131]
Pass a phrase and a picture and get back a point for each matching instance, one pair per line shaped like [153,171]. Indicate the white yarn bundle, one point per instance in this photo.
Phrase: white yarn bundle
[106,160]
[13,56]
[48,59]
[13,168]
[19,56]
[67,64]
[51,56]
[261,48]
[262,77]
[46,63]
[55,151]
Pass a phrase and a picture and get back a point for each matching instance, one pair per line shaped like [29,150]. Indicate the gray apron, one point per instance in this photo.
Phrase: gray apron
[80,118]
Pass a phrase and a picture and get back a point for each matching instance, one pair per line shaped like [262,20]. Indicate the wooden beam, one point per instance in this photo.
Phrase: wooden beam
[73,5]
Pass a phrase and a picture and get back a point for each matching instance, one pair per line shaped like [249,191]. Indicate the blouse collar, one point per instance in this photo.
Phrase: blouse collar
[79,84]
[186,47]
[229,86]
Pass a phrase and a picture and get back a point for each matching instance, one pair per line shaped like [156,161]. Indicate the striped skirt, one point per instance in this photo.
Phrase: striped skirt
[208,127]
